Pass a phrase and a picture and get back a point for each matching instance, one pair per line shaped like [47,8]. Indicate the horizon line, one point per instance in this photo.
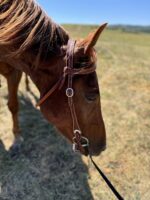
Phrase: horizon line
[111,24]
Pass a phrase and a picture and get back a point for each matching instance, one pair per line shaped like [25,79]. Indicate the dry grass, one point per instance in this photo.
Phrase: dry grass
[47,169]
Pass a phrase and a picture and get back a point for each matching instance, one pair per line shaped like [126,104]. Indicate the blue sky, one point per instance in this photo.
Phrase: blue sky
[134,12]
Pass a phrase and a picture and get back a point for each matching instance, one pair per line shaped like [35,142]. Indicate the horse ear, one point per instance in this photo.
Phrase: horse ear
[92,38]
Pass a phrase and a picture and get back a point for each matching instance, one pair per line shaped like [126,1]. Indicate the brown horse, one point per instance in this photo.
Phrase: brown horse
[31,42]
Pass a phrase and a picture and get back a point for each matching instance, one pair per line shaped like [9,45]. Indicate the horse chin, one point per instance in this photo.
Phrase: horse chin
[97,151]
[92,152]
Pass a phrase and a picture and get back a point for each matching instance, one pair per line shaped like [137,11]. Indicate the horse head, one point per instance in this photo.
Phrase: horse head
[86,95]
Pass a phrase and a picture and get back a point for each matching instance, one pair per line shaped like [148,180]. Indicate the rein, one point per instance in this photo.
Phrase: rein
[80,142]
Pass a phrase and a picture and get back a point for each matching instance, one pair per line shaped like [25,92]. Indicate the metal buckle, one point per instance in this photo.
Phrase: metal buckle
[69,92]
[77,131]
[86,144]
[75,147]
[84,141]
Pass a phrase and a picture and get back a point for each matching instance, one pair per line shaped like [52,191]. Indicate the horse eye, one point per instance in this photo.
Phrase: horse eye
[84,59]
[82,62]
[45,71]
[92,96]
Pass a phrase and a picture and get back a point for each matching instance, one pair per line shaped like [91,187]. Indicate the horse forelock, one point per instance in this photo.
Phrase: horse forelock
[26,27]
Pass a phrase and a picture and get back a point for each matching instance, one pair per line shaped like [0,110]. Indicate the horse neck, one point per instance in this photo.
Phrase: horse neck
[44,75]
[27,49]
[47,74]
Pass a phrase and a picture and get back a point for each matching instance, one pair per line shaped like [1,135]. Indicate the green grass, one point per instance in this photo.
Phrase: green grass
[47,169]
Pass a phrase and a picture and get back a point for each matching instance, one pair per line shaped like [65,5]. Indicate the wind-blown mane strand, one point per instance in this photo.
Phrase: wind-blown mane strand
[26,27]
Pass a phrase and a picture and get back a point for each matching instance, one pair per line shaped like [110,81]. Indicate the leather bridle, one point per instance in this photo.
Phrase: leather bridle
[80,142]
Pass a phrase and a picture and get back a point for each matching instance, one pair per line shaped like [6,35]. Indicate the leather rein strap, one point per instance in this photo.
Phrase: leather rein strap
[80,142]
[107,181]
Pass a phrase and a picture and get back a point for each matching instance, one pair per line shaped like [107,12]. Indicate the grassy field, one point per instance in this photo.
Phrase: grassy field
[47,169]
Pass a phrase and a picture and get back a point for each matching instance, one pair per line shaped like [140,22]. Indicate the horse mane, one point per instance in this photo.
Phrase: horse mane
[24,26]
